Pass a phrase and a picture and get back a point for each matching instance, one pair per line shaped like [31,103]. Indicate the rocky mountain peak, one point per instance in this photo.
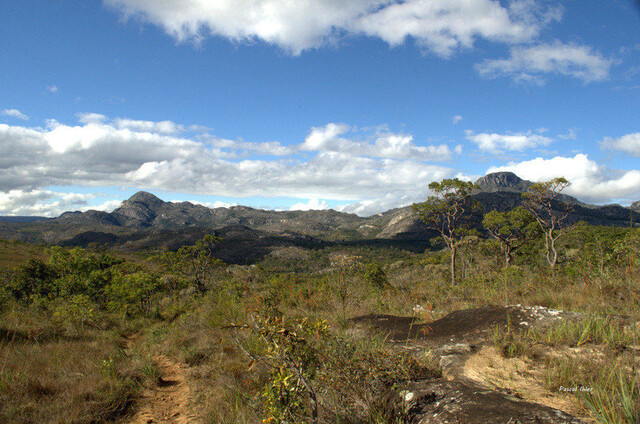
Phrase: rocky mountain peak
[139,210]
[502,181]
[635,206]
[146,198]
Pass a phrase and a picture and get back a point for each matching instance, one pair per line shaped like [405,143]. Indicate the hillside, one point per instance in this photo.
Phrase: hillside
[146,221]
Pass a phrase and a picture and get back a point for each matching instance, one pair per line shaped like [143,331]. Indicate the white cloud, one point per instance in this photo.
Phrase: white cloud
[629,143]
[383,144]
[312,204]
[492,142]
[41,202]
[107,206]
[52,89]
[531,64]
[212,205]
[91,118]
[162,127]
[442,26]
[98,153]
[456,119]
[272,148]
[571,134]
[384,203]
[589,181]
[15,113]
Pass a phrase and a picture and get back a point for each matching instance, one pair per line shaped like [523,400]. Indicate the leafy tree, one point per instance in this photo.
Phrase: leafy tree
[76,312]
[595,247]
[33,278]
[135,290]
[543,201]
[375,275]
[512,229]
[448,212]
[195,262]
[628,250]
[81,272]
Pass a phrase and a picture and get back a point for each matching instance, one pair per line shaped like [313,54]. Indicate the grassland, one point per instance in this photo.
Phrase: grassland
[272,342]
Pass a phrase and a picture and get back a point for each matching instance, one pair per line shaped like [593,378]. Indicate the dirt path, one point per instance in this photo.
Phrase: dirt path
[167,401]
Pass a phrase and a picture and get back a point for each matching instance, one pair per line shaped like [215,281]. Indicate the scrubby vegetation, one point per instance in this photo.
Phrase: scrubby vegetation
[272,342]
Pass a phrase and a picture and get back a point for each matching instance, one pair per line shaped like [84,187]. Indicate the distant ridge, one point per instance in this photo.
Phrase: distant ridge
[22,219]
[497,191]
[145,221]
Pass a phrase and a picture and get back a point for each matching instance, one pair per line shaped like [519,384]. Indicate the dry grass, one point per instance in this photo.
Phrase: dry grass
[48,377]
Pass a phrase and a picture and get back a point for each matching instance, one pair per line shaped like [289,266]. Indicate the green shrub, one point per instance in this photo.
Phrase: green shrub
[75,313]
[132,292]
[375,275]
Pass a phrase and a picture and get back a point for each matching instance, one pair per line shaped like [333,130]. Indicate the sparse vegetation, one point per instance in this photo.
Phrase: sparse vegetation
[273,341]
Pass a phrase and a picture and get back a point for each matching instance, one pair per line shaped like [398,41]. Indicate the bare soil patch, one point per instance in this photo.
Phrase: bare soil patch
[168,400]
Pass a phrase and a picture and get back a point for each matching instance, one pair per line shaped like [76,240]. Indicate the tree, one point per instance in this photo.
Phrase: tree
[34,278]
[195,262]
[374,274]
[448,212]
[134,290]
[346,265]
[543,201]
[512,229]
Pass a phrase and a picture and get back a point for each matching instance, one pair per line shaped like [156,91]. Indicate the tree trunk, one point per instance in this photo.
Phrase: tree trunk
[547,245]
[554,252]
[453,265]
[507,257]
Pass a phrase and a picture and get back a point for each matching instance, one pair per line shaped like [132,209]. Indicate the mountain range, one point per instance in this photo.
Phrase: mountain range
[145,221]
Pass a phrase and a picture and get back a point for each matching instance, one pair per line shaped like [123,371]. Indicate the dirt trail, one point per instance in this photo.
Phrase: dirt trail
[168,400]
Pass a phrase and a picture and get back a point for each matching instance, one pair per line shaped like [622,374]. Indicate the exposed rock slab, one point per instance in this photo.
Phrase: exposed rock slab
[443,401]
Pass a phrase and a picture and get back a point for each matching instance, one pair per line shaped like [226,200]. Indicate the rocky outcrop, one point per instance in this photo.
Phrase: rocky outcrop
[502,181]
[443,401]
[139,210]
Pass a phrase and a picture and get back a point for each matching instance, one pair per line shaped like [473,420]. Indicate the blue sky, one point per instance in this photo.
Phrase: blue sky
[355,105]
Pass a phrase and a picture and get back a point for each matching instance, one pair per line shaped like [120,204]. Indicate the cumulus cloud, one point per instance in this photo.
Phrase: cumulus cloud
[91,118]
[162,127]
[456,119]
[589,180]
[107,206]
[531,64]
[52,89]
[496,143]
[383,144]
[41,202]
[15,113]
[213,205]
[99,152]
[629,143]
[441,26]
[272,148]
[312,204]
[384,203]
